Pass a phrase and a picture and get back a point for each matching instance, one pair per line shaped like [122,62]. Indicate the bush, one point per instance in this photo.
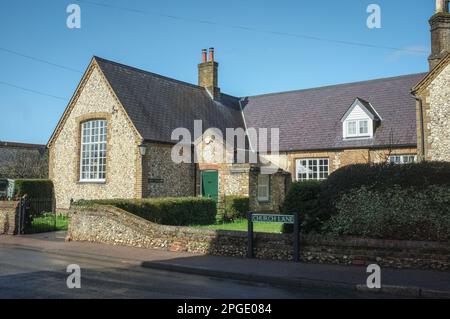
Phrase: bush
[394,213]
[419,176]
[34,188]
[166,211]
[235,207]
[303,197]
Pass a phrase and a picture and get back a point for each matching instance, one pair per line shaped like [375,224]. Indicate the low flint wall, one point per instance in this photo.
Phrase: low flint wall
[110,225]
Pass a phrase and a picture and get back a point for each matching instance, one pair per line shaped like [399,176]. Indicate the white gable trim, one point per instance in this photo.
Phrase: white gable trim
[356,103]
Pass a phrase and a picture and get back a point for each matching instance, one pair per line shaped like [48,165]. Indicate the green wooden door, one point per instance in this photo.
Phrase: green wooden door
[210,184]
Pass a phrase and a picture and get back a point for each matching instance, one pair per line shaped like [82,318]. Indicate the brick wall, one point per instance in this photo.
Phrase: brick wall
[8,217]
[279,185]
[114,226]
[340,158]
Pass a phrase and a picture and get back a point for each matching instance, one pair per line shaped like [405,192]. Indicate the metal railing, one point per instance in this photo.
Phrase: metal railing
[36,215]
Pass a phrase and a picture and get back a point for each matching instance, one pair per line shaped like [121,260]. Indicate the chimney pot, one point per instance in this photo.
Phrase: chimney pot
[204,56]
[211,54]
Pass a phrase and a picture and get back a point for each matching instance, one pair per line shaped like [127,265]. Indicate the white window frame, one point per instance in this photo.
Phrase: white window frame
[263,183]
[348,128]
[402,159]
[305,166]
[358,127]
[93,148]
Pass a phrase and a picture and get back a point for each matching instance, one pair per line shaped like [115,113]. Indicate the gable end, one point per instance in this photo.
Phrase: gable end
[73,101]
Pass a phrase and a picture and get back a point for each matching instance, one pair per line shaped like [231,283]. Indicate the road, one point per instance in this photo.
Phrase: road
[26,273]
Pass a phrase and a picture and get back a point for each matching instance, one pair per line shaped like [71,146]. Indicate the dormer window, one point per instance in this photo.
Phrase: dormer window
[360,120]
[359,128]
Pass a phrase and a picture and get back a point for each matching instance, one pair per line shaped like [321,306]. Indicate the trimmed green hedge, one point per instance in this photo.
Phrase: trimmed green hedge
[380,177]
[303,197]
[34,188]
[235,207]
[181,211]
[394,213]
[372,200]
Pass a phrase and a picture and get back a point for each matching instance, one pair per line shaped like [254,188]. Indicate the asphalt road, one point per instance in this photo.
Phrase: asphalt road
[33,274]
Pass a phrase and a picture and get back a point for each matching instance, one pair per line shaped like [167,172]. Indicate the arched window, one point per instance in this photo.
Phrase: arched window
[93,151]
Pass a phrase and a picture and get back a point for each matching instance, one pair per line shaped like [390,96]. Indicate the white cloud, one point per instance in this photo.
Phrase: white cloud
[415,50]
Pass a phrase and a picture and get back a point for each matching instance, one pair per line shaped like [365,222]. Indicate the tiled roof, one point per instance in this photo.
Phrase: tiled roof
[311,119]
[5,144]
[157,105]
[308,119]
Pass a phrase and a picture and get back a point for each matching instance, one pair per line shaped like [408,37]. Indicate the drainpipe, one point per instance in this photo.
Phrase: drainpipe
[195,170]
[422,126]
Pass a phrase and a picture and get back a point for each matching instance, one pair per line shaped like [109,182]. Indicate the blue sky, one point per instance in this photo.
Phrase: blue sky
[251,62]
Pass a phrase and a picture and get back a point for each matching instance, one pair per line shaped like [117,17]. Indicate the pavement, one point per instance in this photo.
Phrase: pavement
[350,279]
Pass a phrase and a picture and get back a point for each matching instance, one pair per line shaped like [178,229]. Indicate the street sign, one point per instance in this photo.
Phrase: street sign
[272,218]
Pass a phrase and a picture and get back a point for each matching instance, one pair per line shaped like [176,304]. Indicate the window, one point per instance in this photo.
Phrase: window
[363,127]
[263,187]
[351,128]
[359,128]
[402,159]
[93,151]
[312,169]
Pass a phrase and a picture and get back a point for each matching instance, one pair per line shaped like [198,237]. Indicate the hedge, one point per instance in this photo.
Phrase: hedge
[34,188]
[234,207]
[318,202]
[303,197]
[394,213]
[419,176]
[166,211]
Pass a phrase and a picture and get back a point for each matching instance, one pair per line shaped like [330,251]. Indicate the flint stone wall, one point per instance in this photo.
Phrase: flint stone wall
[8,217]
[439,117]
[110,225]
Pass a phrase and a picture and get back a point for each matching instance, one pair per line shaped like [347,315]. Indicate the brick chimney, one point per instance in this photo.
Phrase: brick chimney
[208,74]
[440,33]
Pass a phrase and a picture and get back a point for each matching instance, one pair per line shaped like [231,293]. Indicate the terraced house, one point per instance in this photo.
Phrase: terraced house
[114,140]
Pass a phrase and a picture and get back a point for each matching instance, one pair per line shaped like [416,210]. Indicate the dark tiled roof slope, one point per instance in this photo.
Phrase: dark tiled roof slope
[157,105]
[308,119]
[311,119]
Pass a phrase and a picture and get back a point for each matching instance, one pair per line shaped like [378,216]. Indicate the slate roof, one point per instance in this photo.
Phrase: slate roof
[157,105]
[311,119]
[308,119]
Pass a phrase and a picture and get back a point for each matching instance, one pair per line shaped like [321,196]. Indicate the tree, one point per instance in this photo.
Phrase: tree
[19,163]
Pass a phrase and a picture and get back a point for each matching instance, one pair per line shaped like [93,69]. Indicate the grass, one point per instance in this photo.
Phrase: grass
[46,222]
[242,225]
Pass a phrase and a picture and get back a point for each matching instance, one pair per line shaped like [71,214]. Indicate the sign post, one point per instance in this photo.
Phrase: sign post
[296,254]
[250,236]
[272,218]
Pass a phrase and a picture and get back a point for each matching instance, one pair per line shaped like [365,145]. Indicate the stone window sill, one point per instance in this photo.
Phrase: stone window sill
[91,182]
